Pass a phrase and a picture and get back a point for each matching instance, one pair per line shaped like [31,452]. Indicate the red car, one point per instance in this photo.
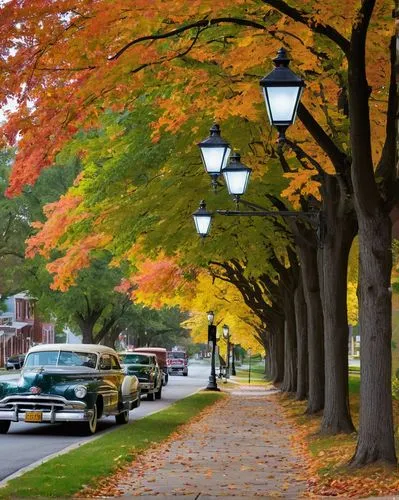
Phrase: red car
[177,362]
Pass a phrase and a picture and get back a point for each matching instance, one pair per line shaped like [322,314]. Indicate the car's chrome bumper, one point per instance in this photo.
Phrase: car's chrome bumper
[146,386]
[52,409]
[51,417]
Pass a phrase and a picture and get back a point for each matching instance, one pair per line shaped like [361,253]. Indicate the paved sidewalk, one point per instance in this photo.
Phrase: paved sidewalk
[240,448]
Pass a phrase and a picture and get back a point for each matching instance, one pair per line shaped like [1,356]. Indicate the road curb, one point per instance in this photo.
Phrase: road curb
[74,446]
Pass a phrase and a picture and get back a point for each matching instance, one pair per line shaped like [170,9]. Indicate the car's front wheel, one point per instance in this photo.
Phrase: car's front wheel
[122,418]
[158,394]
[91,424]
[151,396]
[4,426]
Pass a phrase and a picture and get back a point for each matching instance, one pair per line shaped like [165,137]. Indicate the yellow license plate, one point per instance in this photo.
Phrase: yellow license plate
[33,416]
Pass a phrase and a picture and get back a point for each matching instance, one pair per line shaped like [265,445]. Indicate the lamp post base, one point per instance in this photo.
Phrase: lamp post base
[212,385]
[212,388]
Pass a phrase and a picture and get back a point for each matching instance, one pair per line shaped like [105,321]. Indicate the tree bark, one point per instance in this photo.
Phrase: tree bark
[376,435]
[309,269]
[341,225]
[373,202]
[302,342]
[290,348]
[86,325]
[277,354]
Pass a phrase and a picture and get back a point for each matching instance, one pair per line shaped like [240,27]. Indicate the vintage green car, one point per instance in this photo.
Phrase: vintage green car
[69,383]
[145,367]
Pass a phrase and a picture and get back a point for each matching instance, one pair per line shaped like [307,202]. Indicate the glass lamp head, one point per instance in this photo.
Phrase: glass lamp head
[282,90]
[202,220]
[226,331]
[215,151]
[236,175]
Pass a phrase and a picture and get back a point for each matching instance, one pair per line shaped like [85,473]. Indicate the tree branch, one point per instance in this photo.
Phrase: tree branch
[301,155]
[5,252]
[386,167]
[338,158]
[204,23]
[305,18]
[363,176]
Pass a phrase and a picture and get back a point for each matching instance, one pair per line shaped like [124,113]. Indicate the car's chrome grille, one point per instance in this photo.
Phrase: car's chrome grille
[44,403]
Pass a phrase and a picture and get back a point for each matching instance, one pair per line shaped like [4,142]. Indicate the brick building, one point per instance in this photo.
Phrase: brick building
[19,328]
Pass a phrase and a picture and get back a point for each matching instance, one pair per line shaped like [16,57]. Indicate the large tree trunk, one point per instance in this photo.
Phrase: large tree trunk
[111,336]
[341,227]
[376,436]
[277,354]
[265,341]
[309,269]
[302,342]
[375,191]
[290,349]
[86,326]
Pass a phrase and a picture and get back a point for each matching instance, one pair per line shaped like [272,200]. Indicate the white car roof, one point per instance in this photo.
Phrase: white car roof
[149,349]
[91,348]
[148,354]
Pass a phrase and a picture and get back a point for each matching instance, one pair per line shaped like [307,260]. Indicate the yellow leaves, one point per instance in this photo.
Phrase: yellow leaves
[228,306]
[245,41]
[301,184]
[242,104]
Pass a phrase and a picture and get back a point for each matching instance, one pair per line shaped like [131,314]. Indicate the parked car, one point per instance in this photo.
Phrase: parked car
[69,383]
[177,362]
[145,367]
[161,354]
[15,362]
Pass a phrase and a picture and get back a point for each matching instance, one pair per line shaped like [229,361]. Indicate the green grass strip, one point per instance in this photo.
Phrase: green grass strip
[257,374]
[67,474]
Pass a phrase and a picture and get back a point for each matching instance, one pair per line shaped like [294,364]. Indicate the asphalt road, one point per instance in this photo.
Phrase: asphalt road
[25,444]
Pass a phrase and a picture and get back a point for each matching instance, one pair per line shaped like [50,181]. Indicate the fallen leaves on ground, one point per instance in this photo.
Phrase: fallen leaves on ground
[151,458]
[327,457]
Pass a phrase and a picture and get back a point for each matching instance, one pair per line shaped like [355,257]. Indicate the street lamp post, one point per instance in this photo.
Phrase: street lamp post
[282,91]
[226,336]
[212,384]
[233,364]
[249,367]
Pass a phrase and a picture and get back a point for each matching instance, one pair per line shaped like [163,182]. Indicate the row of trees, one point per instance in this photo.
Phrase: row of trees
[97,71]
[93,307]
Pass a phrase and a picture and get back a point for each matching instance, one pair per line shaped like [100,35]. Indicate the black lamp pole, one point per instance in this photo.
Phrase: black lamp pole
[233,365]
[226,336]
[228,357]
[249,368]
[212,384]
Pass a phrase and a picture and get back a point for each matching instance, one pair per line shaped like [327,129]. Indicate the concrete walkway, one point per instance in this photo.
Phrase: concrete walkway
[239,448]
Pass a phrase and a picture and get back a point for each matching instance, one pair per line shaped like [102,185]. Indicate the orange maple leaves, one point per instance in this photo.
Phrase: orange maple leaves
[60,215]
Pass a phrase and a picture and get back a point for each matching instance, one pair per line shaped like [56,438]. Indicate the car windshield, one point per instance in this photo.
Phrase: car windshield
[15,359]
[135,359]
[177,354]
[61,358]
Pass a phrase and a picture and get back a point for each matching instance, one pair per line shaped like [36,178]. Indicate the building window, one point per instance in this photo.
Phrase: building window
[19,309]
